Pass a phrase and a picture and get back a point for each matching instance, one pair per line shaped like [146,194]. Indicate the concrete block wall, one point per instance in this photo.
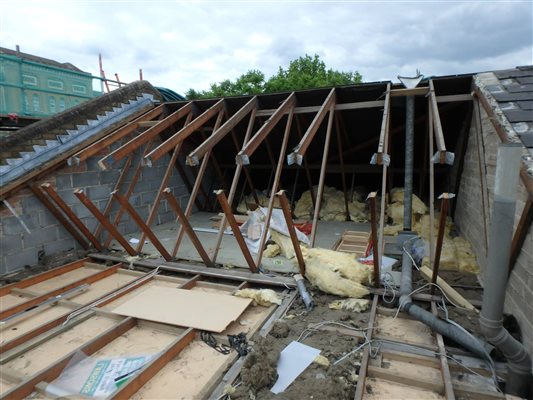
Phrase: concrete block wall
[469,220]
[18,248]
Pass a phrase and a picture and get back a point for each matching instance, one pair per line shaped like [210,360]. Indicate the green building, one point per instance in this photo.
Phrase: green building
[36,87]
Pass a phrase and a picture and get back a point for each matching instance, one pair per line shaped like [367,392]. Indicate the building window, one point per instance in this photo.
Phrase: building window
[36,103]
[52,104]
[79,89]
[29,80]
[55,84]
[26,103]
[61,104]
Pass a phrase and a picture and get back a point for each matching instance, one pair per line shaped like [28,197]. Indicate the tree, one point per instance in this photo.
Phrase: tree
[309,72]
[303,73]
[252,82]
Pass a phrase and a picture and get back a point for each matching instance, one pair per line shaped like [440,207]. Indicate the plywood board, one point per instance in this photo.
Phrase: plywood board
[201,310]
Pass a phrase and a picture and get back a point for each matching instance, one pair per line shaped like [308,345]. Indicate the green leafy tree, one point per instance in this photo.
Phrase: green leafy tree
[309,72]
[303,73]
[252,82]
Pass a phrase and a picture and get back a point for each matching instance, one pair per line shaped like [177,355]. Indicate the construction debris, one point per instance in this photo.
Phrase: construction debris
[336,273]
[262,297]
[356,305]
[272,250]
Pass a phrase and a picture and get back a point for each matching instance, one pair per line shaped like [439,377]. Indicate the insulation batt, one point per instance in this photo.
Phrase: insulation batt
[333,207]
[242,208]
[356,305]
[284,244]
[336,273]
[456,253]
[263,297]
[272,250]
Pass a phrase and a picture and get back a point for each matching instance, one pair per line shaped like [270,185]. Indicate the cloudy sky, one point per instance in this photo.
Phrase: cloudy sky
[184,44]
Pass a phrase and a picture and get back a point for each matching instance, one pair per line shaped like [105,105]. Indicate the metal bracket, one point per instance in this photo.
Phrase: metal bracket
[385,159]
[449,158]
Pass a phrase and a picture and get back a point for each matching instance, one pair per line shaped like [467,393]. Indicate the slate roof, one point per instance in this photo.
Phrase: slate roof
[514,95]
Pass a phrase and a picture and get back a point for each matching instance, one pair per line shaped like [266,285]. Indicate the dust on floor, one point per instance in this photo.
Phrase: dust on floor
[316,382]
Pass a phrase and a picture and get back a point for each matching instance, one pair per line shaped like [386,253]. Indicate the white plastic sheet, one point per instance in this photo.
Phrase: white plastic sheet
[277,223]
[293,360]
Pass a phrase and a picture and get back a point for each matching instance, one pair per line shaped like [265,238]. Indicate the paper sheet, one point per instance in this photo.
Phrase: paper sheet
[293,360]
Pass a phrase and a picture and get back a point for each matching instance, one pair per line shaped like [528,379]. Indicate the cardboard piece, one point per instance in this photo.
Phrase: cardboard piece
[187,308]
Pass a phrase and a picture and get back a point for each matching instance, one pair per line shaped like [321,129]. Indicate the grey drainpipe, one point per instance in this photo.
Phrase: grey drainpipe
[406,284]
[409,156]
[439,325]
[491,317]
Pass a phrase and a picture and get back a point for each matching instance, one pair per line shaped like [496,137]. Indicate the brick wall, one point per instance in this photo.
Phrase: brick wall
[469,220]
[19,248]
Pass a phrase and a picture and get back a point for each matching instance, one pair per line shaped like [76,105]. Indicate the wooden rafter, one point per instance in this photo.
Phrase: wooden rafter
[275,186]
[70,215]
[183,220]
[197,184]
[59,216]
[145,228]
[384,133]
[118,185]
[120,133]
[104,221]
[385,127]
[243,157]
[5,313]
[194,156]
[233,187]
[439,135]
[236,231]
[146,136]
[185,132]
[172,163]
[50,373]
[322,178]
[299,151]
[127,390]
